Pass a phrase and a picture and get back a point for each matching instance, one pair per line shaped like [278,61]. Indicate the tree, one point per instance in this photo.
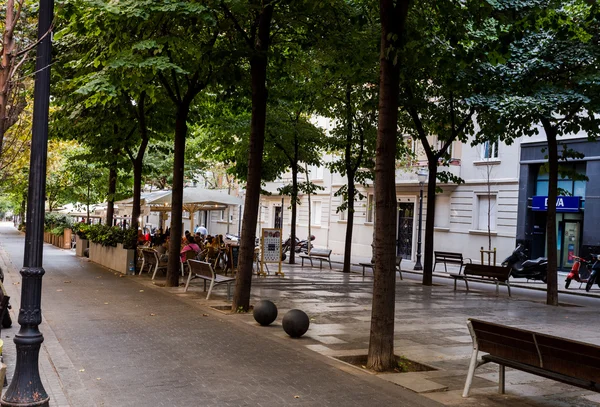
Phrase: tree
[257,38]
[440,77]
[349,60]
[381,342]
[544,80]
[17,40]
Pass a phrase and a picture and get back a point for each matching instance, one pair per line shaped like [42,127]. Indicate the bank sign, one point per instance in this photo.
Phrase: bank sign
[563,203]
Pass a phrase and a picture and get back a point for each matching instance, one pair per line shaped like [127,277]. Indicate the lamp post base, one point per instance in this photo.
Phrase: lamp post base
[418,265]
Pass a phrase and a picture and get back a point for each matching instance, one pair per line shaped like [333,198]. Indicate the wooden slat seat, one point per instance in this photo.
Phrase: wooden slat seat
[317,254]
[371,266]
[204,271]
[564,360]
[479,272]
[450,257]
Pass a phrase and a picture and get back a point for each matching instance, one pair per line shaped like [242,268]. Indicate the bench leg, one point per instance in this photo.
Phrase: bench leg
[330,268]
[497,288]
[508,287]
[400,273]
[466,283]
[455,283]
[311,263]
[320,264]
[471,373]
[212,284]
[187,284]
[501,382]
[142,268]
[155,270]
[446,268]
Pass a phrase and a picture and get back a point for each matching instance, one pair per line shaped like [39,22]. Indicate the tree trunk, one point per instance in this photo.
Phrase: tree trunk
[137,193]
[258,73]
[350,175]
[381,341]
[552,286]
[294,212]
[173,267]
[349,223]
[112,189]
[429,224]
[6,64]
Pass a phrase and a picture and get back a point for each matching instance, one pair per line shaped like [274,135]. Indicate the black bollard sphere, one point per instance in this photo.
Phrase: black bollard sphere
[295,323]
[265,312]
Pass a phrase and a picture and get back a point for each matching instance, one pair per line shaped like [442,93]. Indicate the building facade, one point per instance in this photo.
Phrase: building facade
[488,197]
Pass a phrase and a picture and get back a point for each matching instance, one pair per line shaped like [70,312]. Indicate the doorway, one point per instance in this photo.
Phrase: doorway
[569,239]
[278,224]
[404,242]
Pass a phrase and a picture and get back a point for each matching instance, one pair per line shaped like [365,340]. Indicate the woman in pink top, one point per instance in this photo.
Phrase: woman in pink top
[190,245]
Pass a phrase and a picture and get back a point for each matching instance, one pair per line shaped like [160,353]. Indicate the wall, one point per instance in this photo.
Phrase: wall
[114,258]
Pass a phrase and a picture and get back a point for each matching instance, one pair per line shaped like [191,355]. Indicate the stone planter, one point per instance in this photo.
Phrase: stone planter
[114,258]
[81,245]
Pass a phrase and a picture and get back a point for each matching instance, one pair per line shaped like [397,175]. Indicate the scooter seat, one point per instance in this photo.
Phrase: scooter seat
[536,262]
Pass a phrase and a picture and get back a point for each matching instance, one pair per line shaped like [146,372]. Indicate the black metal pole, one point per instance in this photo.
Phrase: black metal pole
[26,388]
[418,265]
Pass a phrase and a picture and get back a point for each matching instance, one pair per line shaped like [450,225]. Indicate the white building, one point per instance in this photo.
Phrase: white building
[461,219]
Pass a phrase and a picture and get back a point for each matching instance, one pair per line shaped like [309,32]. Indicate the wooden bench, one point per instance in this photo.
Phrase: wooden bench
[317,254]
[450,257]
[478,272]
[204,271]
[371,265]
[564,360]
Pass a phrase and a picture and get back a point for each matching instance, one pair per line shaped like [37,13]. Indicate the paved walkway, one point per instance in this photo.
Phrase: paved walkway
[121,341]
[125,341]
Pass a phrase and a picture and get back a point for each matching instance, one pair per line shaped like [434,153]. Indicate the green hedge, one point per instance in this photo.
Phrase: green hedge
[109,236]
[56,223]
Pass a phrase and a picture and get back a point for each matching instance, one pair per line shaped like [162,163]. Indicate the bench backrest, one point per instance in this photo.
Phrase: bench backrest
[201,268]
[560,355]
[189,255]
[481,270]
[150,256]
[448,255]
[320,252]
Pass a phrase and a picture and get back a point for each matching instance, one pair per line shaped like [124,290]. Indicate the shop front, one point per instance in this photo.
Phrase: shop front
[577,206]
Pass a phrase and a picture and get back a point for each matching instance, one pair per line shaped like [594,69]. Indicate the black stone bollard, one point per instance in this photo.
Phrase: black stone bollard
[265,312]
[295,323]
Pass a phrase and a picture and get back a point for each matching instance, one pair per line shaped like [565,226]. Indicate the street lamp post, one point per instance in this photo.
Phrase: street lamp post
[422,176]
[26,388]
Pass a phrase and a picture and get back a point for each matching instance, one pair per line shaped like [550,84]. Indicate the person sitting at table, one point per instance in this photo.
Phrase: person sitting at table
[190,245]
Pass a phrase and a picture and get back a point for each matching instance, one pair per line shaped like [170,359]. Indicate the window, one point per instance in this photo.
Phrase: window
[487,212]
[316,213]
[442,211]
[565,183]
[489,150]
[316,172]
[370,208]
[222,215]
[342,215]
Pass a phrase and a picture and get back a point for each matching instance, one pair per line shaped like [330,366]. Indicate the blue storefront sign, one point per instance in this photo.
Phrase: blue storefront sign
[563,203]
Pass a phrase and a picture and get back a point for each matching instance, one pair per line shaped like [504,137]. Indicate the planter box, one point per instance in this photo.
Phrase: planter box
[67,236]
[114,258]
[81,245]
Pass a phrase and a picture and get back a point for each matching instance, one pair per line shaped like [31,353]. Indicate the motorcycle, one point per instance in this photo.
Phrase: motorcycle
[522,267]
[593,278]
[302,246]
[580,271]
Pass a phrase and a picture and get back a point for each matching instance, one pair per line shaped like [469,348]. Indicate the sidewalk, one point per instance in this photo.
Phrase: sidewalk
[127,341]
[123,341]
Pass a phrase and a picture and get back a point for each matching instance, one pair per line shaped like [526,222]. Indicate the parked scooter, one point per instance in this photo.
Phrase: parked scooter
[594,278]
[580,271]
[302,246]
[522,267]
